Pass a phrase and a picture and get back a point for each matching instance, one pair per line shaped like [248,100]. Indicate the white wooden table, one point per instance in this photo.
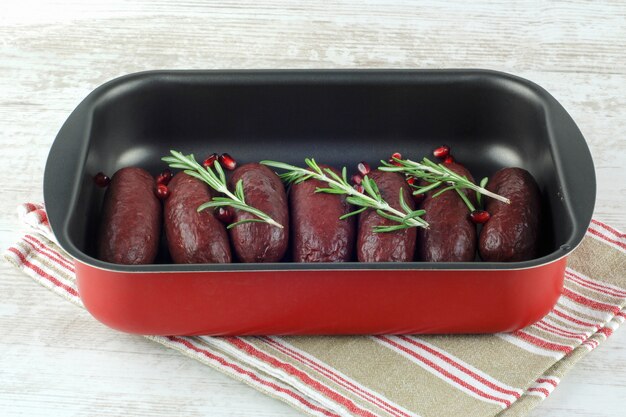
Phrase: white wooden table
[56,360]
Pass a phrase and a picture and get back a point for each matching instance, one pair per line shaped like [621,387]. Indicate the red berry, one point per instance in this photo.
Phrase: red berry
[227,161]
[449,159]
[396,155]
[363,168]
[480,216]
[224,214]
[101,180]
[164,177]
[410,180]
[357,179]
[210,160]
[359,188]
[442,151]
[162,192]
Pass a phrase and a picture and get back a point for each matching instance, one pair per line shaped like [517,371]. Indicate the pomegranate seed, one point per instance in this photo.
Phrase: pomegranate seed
[228,161]
[357,179]
[480,216]
[210,160]
[396,155]
[442,151]
[224,214]
[449,159]
[164,177]
[359,188]
[162,192]
[410,180]
[363,168]
[101,180]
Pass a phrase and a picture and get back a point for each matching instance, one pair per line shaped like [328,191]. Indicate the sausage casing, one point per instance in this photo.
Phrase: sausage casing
[130,224]
[396,246]
[263,189]
[192,236]
[317,233]
[512,232]
[451,235]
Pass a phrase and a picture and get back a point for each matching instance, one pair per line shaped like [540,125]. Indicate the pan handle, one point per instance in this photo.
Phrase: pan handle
[575,169]
[63,167]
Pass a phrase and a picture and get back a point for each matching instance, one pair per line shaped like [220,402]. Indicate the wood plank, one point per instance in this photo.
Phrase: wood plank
[57,360]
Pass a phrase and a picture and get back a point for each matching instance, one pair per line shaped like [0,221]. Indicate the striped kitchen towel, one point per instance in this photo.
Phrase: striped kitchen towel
[402,376]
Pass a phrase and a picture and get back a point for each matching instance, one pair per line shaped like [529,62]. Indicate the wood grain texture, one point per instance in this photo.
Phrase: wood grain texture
[57,360]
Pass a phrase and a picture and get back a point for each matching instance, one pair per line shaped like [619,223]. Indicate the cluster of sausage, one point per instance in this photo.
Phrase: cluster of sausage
[132,217]
[510,235]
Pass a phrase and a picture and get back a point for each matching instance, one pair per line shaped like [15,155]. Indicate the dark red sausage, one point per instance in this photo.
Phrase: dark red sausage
[512,232]
[398,246]
[131,219]
[263,189]
[317,233]
[451,235]
[192,236]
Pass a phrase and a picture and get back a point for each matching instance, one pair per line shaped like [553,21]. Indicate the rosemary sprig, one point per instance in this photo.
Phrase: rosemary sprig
[217,180]
[436,175]
[369,198]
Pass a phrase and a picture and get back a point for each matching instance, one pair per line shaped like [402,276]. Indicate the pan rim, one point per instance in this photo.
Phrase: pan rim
[59,224]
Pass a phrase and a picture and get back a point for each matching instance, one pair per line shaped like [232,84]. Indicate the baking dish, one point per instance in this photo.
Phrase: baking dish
[490,120]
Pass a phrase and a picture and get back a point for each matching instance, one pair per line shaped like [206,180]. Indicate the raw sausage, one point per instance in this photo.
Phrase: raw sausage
[263,189]
[512,232]
[318,235]
[192,236]
[451,235]
[397,246]
[131,219]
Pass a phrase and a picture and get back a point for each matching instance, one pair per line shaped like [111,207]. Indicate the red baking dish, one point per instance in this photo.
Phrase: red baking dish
[490,120]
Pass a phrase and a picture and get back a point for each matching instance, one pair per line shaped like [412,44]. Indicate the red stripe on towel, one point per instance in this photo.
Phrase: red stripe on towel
[249,374]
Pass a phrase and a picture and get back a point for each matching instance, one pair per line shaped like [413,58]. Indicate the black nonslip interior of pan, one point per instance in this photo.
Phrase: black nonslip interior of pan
[490,120]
